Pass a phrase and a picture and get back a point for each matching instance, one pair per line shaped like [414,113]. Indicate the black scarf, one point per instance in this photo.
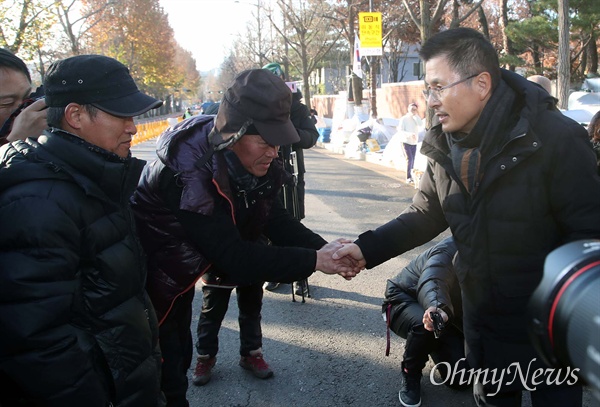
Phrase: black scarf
[470,152]
[241,178]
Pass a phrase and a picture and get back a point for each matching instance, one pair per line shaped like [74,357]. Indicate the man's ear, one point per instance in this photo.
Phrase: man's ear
[483,84]
[73,115]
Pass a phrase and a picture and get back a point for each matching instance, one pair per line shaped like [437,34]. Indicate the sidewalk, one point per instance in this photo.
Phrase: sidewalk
[369,160]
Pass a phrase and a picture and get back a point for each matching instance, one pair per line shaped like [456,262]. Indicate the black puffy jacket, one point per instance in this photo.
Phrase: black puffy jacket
[76,325]
[430,280]
[189,221]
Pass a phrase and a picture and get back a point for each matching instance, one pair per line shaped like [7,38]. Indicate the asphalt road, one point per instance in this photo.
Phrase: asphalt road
[330,350]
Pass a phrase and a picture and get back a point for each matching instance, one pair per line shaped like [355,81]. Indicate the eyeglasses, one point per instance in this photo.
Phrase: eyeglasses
[437,92]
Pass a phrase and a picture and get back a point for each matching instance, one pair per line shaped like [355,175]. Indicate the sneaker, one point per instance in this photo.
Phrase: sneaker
[203,370]
[270,286]
[257,365]
[301,287]
[410,390]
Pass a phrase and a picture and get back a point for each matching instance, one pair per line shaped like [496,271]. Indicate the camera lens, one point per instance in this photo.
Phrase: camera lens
[565,310]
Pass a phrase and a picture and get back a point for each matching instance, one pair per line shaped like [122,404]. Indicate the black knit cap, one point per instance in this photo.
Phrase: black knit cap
[263,98]
[98,80]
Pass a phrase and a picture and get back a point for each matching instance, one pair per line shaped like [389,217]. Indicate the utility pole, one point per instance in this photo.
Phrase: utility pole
[260,52]
[373,73]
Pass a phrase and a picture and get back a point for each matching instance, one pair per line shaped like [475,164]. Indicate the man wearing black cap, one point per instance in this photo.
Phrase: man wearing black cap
[77,325]
[207,208]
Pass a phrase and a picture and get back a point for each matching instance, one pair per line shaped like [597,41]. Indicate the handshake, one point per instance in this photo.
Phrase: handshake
[340,257]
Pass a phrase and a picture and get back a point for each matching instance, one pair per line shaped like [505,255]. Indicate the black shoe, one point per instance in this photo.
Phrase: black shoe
[410,389]
[301,287]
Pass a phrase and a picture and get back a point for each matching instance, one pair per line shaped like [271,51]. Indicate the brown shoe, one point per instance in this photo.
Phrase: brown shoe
[203,370]
[257,365]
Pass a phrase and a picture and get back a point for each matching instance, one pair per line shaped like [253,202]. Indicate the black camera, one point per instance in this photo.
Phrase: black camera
[438,323]
[564,310]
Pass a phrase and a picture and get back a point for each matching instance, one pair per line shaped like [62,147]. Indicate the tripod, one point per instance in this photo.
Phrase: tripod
[290,198]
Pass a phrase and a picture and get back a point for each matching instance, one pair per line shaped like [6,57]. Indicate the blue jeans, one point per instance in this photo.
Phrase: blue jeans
[411,152]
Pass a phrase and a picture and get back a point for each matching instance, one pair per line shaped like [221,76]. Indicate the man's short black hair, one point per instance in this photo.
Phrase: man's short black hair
[8,60]
[468,52]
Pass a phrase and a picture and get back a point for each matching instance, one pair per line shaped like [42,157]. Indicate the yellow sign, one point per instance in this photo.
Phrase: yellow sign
[369,25]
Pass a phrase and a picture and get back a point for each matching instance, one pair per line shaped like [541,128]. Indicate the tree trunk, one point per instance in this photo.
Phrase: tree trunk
[356,82]
[483,22]
[564,67]
[506,42]
[592,54]
[373,73]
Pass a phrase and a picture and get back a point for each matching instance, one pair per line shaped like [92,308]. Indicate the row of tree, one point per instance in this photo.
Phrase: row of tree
[136,32]
[303,35]
[309,34]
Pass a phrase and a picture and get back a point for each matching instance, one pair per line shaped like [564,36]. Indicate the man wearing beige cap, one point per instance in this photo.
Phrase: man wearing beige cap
[208,208]
[78,328]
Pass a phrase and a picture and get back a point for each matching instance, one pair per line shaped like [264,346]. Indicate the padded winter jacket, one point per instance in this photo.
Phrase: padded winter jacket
[76,325]
[192,220]
[430,280]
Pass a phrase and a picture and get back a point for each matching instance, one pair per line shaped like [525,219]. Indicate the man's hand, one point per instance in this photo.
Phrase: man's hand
[351,250]
[428,322]
[345,266]
[31,122]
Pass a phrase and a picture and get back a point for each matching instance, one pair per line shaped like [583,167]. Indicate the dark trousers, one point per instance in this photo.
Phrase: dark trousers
[177,347]
[411,152]
[214,308]
[406,320]
[562,396]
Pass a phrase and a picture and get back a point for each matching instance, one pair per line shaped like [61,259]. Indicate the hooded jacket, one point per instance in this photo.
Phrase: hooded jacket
[539,190]
[192,220]
[77,327]
[301,119]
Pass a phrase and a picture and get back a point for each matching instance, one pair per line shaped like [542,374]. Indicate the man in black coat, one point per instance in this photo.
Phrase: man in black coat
[77,327]
[514,179]
[207,208]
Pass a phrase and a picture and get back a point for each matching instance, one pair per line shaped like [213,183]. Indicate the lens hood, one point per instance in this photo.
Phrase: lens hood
[564,310]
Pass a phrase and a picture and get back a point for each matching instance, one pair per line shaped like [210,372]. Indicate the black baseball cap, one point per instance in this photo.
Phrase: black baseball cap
[263,98]
[97,80]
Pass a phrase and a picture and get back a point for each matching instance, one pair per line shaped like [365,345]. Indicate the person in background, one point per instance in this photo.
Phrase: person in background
[410,124]
[20,115]
[294,196]
[594,132]
[427,284]
[207,208]
[544,82]
[314,116]
[514,179]
[77,326]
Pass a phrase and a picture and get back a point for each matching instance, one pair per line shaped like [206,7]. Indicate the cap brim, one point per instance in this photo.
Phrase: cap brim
[129,106]
[277,134]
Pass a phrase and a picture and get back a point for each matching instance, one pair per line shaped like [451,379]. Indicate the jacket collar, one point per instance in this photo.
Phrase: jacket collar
[99,172]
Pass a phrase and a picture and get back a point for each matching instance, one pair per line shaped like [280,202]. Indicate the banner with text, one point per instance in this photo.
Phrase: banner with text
[369,25]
